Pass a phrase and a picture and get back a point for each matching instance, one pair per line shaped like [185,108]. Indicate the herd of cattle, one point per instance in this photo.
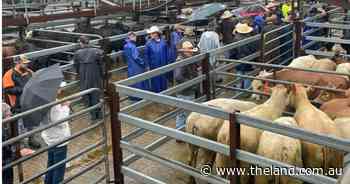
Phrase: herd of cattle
[332,119]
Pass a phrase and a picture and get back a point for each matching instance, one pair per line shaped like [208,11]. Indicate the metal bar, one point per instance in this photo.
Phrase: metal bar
[80,153]
[175,134]
[278,47]
[140,176]
[323,53]
[173,101]
[234,130]
[27,134]
[151,147]
[114,105]
[69,33]
[277,57]
[279,29]
[309,44]
[234,45]
[182,86]
[279,37]
[336,143]
[172,163]
[327,25]
[283,67]
[280,81]
[42,150]
[161,70]
[49,105]
[328,39]
[117,70]
[309,32]
[85,170]
[49,41]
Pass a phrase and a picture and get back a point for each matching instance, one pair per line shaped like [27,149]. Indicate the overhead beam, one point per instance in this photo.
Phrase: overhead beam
[20,20]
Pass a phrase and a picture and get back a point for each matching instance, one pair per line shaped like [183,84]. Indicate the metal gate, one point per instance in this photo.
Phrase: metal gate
[99,144]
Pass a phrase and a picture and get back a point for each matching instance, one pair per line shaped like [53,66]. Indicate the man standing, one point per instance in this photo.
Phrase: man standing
[156,55]
[136,65]
[183,74]
[88,63]
[226,28]
[14,81]
[209,40]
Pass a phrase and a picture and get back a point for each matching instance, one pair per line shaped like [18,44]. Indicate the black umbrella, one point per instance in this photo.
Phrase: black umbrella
[201,15]
[40,89]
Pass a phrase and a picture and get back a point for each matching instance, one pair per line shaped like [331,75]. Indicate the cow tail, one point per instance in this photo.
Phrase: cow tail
[195,148]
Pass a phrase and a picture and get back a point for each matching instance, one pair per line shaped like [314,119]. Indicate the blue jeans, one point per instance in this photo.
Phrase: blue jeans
[182,116]
[55,155]
[7,176]
[245,83]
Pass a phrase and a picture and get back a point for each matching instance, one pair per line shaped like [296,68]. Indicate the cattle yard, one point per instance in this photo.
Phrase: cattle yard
[134,143]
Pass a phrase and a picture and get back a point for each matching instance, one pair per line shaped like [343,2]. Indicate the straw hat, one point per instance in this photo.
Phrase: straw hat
[271,5]
[188,47]
[153,29]
[226,14]
[242,28]
[24,59]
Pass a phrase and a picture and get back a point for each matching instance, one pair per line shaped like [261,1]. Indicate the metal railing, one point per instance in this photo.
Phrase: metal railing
[100,144]
[277,44]
[315,38]
[123,115]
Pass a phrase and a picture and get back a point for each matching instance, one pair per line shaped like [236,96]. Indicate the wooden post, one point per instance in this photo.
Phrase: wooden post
[234,145]
[116,133]
[206,71]
[298,37]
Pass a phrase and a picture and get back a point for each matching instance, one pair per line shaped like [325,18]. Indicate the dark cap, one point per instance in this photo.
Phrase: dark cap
[83,40]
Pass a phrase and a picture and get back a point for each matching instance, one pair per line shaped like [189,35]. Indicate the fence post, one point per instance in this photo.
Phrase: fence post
[298,32]
[235,139]
[114,105]
[262,44]
[206,71]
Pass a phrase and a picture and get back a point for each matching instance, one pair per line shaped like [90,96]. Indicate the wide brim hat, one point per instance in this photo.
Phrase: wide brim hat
[271,5]
[24,59]
[242,28]
[153,29]
[227,14]
[187,46]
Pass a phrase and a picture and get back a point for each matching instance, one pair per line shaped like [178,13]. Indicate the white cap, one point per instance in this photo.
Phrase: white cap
[63,84]
[153,29]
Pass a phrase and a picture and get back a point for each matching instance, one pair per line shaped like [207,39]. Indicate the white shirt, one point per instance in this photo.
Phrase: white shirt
[61,131]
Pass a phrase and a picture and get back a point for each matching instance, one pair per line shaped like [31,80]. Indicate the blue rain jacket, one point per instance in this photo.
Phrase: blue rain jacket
[175,38]
[156,55]
[136,65]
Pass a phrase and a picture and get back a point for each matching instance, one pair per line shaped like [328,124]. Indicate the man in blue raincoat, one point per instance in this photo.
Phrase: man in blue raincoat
[136,65]
[156,55]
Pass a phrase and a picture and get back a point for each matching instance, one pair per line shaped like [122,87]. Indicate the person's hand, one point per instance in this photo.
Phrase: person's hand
[67,103]
[26,152]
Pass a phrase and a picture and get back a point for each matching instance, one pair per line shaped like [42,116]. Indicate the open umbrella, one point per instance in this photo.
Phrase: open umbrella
[201,15]
[40,89]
